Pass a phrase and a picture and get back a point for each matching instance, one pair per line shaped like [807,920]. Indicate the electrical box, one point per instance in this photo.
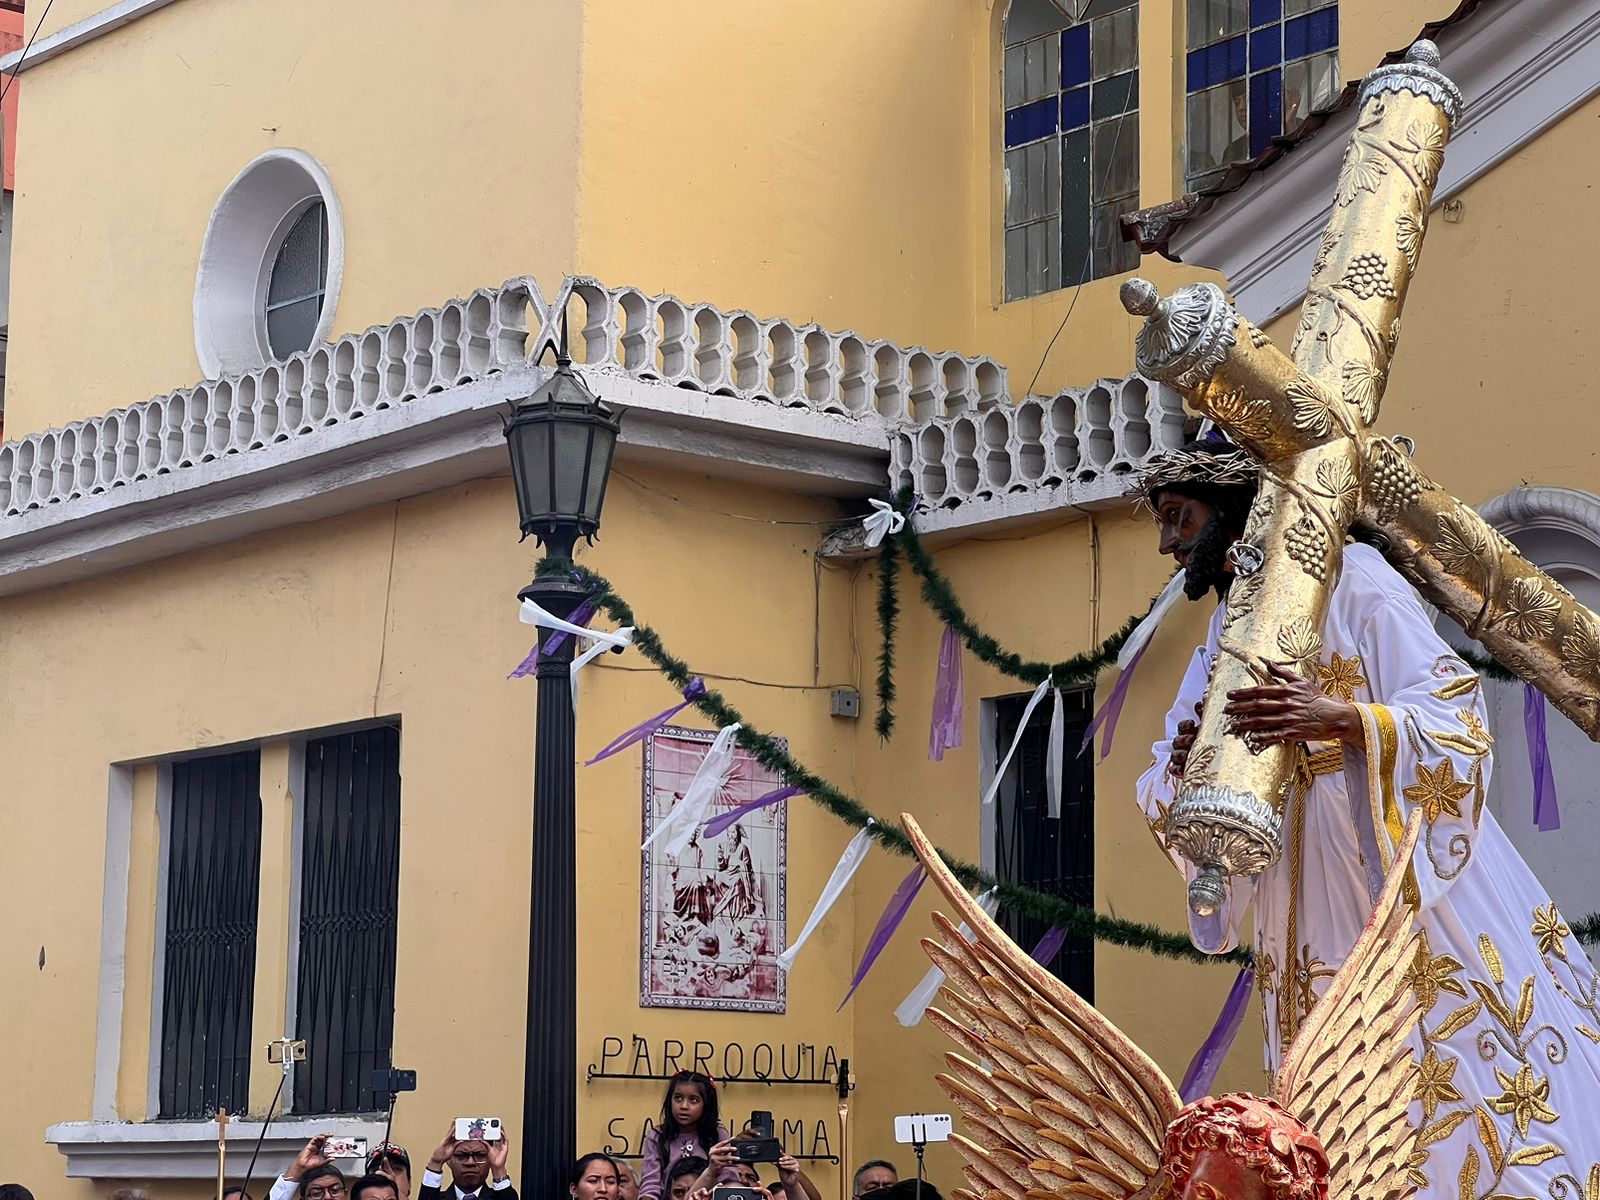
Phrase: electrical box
[844,702]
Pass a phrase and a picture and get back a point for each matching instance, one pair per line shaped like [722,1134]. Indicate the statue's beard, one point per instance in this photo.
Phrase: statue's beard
[1207,569]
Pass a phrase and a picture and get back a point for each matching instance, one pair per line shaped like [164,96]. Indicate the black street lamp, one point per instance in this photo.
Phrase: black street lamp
[561,441]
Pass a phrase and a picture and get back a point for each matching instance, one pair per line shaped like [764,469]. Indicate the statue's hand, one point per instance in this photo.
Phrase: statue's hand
[1183,743]
[1292,710]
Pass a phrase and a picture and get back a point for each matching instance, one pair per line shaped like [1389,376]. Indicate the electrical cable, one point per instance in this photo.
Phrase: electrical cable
[1088,254]
[23,57]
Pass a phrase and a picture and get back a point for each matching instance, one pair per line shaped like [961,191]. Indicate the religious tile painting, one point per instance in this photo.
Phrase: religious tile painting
[713,920]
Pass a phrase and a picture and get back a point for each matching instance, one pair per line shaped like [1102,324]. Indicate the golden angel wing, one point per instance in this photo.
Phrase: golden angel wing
[1059,1101]
[1350,1075]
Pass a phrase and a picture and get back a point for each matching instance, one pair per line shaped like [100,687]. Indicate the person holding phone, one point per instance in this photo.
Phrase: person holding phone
[311,1176]
[477,1169]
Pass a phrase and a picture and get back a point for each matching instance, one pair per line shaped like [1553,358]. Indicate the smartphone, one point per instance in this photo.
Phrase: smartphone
[477,1129]
[922,1128]
[761,1123]
[344,1147]
[730,1192]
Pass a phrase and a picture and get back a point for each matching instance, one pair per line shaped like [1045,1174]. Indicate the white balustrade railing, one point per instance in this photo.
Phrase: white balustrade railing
[620,329]
[1082,443]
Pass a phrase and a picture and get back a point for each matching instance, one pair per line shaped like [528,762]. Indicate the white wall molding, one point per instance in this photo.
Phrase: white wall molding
[79,33]
[1522,65]
[413,405]
[113,941]
[188,1149]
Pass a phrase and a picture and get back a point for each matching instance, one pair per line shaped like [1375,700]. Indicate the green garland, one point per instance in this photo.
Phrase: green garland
[941,597]
[770,753]
[1076,919]
[888,619]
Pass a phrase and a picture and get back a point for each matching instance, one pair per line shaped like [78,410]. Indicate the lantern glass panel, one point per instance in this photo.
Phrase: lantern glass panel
[602,447]
[572,458]
[530,460]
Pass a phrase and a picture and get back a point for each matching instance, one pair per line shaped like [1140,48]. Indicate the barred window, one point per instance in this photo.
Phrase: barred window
[212,847]
[1071,95]
[1255,69]
[349,896]
[1036,850]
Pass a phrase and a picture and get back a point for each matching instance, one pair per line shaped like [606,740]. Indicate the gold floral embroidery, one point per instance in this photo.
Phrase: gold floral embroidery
[1431,974]
[1474,724]
[1435,1083]
[1341,677]
[1550,930]
[1524,1098]
[1438,792]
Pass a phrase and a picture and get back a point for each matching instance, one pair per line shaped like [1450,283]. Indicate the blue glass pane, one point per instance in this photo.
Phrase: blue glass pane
[1322,30]
[1075,56]
[1235,50]
[1266,48]
[1265,12]
[1216,64]
[1297,37]
[1266,110]
[1074,108]
[1031,122]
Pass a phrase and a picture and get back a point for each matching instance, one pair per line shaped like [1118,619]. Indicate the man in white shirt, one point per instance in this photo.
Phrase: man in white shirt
[312,1169]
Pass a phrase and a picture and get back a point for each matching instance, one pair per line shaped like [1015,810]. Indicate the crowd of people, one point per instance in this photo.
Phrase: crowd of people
[689,1153]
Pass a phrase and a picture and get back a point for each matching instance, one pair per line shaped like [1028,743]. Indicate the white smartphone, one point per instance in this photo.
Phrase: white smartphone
[922,1127]
[343,1147]
[477,1129]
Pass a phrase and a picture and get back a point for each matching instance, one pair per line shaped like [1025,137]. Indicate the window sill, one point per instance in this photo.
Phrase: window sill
[188,1149]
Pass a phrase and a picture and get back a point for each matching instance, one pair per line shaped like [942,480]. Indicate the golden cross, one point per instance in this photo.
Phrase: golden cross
[1308,417]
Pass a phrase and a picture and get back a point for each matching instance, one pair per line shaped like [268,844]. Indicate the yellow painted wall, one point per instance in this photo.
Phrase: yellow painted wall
[819,161]
[451,145]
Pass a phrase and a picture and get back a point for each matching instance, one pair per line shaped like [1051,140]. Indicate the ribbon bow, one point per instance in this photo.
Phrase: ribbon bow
[883,520]
[598,639]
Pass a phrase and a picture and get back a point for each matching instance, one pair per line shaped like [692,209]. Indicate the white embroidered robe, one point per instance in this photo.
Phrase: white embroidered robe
[1509,1099]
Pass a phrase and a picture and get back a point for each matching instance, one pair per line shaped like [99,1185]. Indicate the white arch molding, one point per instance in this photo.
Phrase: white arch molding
[1559,529]
[251,218]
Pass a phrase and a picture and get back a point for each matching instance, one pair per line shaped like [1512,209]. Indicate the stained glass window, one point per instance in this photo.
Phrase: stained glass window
[1071,92]
[1255,70]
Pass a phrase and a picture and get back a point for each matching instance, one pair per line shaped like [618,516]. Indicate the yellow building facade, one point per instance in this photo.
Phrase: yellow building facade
[318,541]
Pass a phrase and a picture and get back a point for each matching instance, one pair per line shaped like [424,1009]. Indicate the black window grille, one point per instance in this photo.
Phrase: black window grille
[349,893]
[209,965]
[1043,852]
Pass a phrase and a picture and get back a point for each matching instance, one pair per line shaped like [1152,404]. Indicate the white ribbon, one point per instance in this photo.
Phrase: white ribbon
[679,825]
[915,1006]
[1054,758]
[611,641]
[1022,726]
[532,614]
[843,872]
[1146,629]
[881,521]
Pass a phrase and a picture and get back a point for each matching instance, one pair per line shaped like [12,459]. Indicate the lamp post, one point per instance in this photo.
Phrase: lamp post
[561,441]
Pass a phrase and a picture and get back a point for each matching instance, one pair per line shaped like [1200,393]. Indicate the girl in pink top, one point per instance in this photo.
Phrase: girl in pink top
[689,1126]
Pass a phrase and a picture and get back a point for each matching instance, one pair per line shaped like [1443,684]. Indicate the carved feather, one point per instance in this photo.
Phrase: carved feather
[1068,1108]
[1350,1075]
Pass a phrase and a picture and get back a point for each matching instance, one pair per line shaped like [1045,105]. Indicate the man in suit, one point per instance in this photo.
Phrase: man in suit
[477,1170]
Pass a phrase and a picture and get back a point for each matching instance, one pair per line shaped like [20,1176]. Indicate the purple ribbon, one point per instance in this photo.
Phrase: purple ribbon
[895,912]
[1111,710]
[644,729]
[1207,1061]
[945,733]
[1049,946]
[1546,814]
[720,824]
[581,615]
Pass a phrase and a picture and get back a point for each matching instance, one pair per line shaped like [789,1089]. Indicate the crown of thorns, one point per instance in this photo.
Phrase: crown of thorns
[1228,468]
